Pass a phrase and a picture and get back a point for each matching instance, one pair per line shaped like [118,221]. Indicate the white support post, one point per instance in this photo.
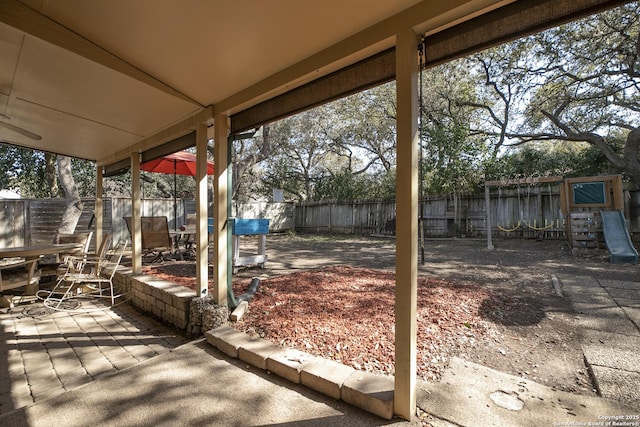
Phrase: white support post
[487,204]
[98,208]
[136,213]
[202,228]
[407,68]
[221,243]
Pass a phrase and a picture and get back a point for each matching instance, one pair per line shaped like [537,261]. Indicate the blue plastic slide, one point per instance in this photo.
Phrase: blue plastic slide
[616,235]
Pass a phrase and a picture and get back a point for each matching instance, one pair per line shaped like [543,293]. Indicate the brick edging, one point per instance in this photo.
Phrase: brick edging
[162,299]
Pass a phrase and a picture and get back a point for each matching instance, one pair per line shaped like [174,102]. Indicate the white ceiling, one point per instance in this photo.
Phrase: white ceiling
[94,78]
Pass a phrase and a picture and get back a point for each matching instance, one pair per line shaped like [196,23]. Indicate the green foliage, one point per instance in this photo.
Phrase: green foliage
[577,82]
[23,171]
[453,161]
[453,157]
[119,186]
[561,102]
[342,150]
[84,174]
[347,186]
[549,159]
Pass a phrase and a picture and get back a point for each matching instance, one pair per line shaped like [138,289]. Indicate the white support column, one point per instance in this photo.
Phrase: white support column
[407,69]
[136,213]
[202,241]
[487,204]
[98,208]
[221,243]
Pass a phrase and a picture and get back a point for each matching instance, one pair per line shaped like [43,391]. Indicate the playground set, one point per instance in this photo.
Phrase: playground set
[591,210]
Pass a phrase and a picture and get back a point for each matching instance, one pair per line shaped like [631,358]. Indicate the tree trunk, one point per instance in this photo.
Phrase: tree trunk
[74,203]
[631,150]
[245,163]
[50,174]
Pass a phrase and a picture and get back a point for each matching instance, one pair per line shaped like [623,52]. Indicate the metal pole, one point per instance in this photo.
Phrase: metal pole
[175,201]
[420,159]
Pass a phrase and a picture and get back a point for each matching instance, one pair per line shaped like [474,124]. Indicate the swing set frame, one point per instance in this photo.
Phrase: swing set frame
[529,181]
[574,211]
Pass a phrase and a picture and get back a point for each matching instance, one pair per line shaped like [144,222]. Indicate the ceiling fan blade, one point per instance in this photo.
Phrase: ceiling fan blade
[21,131]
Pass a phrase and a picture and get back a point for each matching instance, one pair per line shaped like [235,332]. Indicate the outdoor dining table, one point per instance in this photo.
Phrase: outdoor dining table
[184,237]
[35,251]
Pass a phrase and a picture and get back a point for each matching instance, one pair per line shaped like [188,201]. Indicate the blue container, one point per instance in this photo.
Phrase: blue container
[240,227]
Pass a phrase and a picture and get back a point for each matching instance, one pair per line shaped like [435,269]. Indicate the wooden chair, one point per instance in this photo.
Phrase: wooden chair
[156,239]
[17,274]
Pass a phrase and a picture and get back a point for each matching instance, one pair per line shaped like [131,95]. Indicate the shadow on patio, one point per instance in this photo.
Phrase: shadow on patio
[44,352]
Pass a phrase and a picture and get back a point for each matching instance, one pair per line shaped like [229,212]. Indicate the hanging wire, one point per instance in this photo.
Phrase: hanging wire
[420,161]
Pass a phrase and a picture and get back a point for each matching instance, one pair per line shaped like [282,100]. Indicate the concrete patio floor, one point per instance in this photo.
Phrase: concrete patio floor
[118,367]
[44,353]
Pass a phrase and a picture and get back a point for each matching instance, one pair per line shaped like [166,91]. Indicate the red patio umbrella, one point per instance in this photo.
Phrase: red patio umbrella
[178,163]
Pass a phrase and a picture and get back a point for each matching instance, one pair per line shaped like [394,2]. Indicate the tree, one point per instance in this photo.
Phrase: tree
[74,206]
[548,158]
[453,153]
[344,149]
[23,171]
[36,175]
[575,83]
[367,123]
[301,154]
[590,90]
[247,153]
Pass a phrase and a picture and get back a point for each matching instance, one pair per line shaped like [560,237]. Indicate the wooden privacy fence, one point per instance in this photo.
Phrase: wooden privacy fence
[524,212]
[527,212]
[35,221]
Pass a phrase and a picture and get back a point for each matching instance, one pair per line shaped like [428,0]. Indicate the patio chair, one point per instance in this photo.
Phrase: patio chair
[58,266]
[17,274]
[92,277]
[85,262]
[156,239]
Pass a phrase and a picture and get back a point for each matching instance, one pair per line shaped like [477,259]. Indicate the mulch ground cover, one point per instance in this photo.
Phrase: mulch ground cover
[347,314]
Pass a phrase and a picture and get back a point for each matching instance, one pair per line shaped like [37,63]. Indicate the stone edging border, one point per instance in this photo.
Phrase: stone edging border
[367,391]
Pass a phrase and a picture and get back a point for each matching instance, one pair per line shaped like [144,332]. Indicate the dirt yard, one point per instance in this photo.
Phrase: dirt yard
[333,297]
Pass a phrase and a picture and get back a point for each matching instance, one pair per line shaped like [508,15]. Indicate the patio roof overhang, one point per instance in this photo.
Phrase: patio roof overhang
[99,80]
